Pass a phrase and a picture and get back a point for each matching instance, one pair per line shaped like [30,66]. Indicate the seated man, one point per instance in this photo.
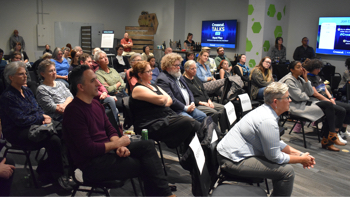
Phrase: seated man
[304,51]
[221,56]
[95,146]
[173,83]
[127,44]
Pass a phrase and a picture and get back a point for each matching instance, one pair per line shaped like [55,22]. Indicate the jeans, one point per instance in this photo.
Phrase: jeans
[282,176]
[261,93]
[112,105]
[63,81]
[196,114]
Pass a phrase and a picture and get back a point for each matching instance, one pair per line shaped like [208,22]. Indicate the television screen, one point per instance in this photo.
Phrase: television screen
[219,33]
[333,36]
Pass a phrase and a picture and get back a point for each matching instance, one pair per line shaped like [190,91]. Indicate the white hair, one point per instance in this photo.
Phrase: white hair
[273,91]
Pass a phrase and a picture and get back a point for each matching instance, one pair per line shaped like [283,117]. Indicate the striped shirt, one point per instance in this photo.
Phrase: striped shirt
[256,134]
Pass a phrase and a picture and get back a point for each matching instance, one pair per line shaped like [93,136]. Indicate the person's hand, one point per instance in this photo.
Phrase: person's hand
[191,108]
[47,119]
[25,61]
[125,70]
[123,141]
[209,78]
[66,78]
[304,74]
[123,151]
[203,103]
[115,98]
[210,104]
[103,95]
[332,101]
[118,84]
[60,108]
[308,160]
[229,68]
[6,170]
[213,79]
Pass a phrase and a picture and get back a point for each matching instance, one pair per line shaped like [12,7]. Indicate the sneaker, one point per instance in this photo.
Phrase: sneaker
[341,139]
[66,183]
[297,128]
[346,133]
[343,135]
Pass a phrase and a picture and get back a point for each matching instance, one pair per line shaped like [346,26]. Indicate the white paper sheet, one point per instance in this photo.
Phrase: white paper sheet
[245,102]
[231,113]
[107,40]
[214,137]
[198,153]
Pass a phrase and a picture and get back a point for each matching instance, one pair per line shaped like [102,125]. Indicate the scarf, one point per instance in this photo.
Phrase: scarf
[246,71]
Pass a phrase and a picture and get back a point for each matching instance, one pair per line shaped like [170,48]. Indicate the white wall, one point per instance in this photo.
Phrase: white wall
[303,21]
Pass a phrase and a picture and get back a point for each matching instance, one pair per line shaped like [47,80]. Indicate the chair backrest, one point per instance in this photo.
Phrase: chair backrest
[34,77]
[227,86]
[335,80]
[127,114]
[327,72]
[114,122]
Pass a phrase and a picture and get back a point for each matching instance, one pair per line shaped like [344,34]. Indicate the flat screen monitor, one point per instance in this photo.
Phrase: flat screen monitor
[333,36]
[219,33]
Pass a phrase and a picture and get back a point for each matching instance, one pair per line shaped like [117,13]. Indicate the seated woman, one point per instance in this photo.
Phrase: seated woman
[66,52]
[146,53]
[110,78]
[62,66]
[52,96]
[35,66]
[189,56]
[224,69]
[321,93]
[261,76]
[24,56]
[149,105]
[134,58]
[201,98]
[75,60]
[155,70]
[305,105]
[252,148]
[211,85]
[278,53]
[121,63]
[19,111]
[241,69]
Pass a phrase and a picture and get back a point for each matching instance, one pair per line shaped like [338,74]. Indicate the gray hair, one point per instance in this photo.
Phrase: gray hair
[95,49]
[133,56]
[188,64]
[76,48]
[12,68]
[46,55]
[43,65]
[66,49]
[97,55]
[273,91]
[55,52]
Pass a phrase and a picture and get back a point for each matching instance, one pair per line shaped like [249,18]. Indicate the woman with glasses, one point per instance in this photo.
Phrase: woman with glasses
[150,106]
[121,63]
[305,105]
[261,76]
[62,66]
[253,149]
[134,58]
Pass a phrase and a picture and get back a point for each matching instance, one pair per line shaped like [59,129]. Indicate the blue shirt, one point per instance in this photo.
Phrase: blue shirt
[61,67]
[3,64]
[155,73]
[203,74]
[256,134]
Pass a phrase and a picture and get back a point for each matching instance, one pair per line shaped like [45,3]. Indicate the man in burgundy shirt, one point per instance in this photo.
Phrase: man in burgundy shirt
[127,44]
[98,149]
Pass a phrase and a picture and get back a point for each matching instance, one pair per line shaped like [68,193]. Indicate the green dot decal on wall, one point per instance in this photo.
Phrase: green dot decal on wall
[271,11]
[248,45]
[266,46]
[252,63]
[250,9]
[257,53]
[279,16]
[278,31]
[256,27]
[252,19]
[284,10]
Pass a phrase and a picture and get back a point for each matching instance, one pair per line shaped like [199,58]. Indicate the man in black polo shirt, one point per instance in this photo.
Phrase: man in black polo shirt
[304,51]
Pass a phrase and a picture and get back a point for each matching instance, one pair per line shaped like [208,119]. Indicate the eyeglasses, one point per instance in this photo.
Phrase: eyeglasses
[267,62]
[21,74]
[288,97]
[148,72]
[177,65]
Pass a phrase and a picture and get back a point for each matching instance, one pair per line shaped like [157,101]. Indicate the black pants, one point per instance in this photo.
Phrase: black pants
[143,162]
[5,184]
[335,115]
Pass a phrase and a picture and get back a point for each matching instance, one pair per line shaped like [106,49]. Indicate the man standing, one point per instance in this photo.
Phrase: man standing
[127,44]
[173,83]
[98,149]
[221,56]
[16,38]
[304,51]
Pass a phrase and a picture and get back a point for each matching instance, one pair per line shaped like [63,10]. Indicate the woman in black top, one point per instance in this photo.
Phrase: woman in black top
[121,63]
[189,42]
[150,106]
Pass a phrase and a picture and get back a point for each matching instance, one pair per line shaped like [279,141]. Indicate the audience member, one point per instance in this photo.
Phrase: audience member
[155,71]
[189,43]
[150,106]
[221,56]
[344,80]
[189,56]
[66,54]
[7,170]
[75,60]
[95,147]
[62,66]
[37,62]
[94,66]
[121,63]
[127,44]
[18,112]
[342,110]
[201,98]
[168,50]
[304,51]
[79,50]
[47,49]
[3,63]
[110,78]
[103,95]
[136,57]
[173,83]
[52,96]
[305,105]
[261,76]
[252,148]
[279,51]
[211,61]
[224,70]
[241,69]
[18,48]
[146,53]
[16,38]
[70,47]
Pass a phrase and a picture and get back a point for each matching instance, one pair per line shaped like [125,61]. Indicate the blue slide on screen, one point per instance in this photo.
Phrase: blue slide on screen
[219,33]
[333,36]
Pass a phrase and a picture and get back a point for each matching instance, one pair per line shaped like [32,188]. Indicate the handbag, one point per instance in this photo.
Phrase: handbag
[38,133]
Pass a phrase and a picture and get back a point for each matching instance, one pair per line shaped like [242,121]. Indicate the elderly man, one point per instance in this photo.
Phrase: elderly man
[100,151]
[304,51]
[16,38]
[221,56]
[127,44]
[173,83]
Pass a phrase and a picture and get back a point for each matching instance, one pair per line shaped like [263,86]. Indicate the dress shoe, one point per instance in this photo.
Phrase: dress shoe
[334,138]
[326,144]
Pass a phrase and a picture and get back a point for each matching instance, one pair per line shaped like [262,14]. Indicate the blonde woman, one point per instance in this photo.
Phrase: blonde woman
[261,76]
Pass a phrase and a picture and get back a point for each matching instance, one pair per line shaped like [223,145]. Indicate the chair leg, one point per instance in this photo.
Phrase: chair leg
[302,128]
[267,187]
[141,186]
[133,186]
[106,191]
[178,154]
[162,158]
[292,127]
[74,191]
[5,153]
[31,168]
[318,133]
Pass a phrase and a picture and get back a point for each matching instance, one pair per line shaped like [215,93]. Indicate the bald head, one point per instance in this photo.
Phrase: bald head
[168,50]
[126,36]
[15,32]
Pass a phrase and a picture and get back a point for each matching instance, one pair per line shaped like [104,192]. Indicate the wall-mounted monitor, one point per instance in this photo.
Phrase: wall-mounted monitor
[219,33]
[333,36]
